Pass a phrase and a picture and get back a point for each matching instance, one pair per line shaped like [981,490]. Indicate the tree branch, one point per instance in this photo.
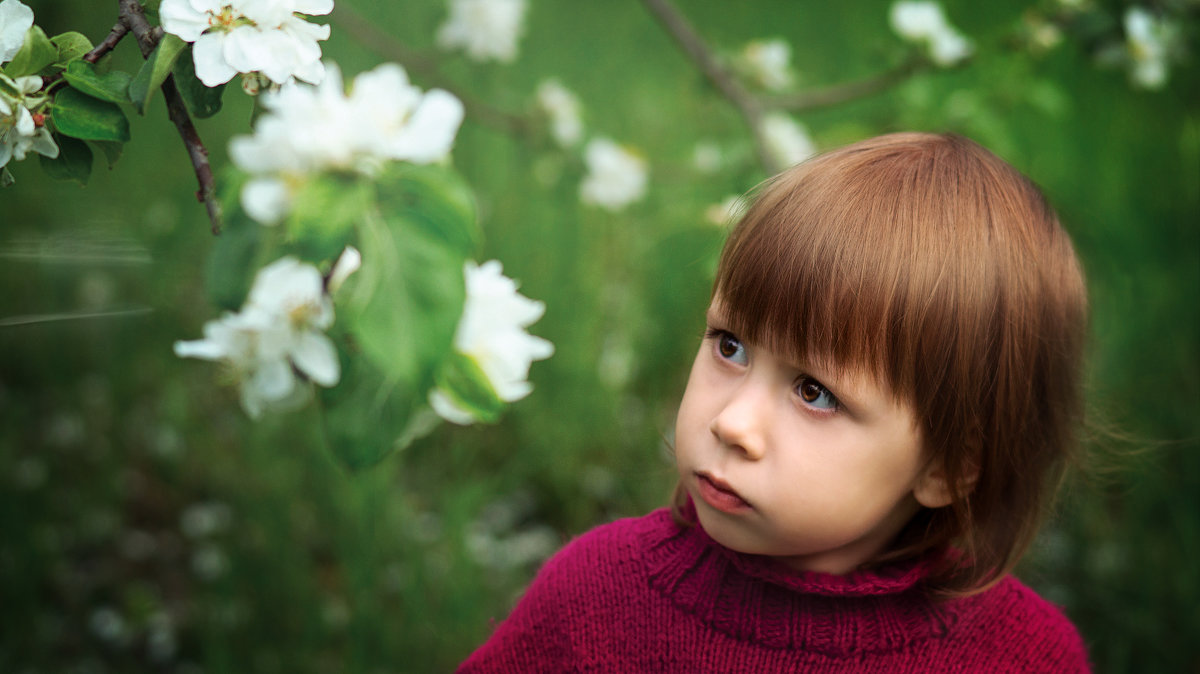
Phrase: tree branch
[370,36]
[849,91]
[119,31]
[134,19]
[724,81]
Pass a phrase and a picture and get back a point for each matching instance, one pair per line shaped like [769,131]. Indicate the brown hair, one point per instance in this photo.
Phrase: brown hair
[939,269]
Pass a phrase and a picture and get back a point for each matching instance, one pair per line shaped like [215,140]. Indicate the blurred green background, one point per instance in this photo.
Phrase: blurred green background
[149,525]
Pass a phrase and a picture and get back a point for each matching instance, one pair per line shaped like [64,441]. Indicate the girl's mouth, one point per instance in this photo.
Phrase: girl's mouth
[718,494]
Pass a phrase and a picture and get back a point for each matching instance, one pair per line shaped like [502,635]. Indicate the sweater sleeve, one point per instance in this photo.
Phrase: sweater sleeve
[539,634]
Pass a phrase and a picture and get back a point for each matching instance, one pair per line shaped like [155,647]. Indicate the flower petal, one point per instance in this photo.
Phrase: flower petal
[209,59]
[314,354]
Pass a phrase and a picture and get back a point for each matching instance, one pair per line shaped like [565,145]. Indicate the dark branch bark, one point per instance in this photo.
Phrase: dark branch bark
[118,32]
[134,18]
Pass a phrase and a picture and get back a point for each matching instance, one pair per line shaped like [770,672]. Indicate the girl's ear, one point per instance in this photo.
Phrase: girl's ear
[934,490]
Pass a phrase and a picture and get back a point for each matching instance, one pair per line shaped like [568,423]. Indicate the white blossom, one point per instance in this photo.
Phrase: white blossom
[729,210]
[707,157]
[485,29]
[1148,43]
[768,62]
[15,20]
[492,333]
[21,130]
[563,109]
[923,22]
[250,36]
[307,129]
[279,329]
[787,140]
[616,177]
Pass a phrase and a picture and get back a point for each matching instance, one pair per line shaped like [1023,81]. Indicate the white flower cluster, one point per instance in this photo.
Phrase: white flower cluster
[616,176]
[1148,40]
[306,130]
[768,62]
[22,125]
[787,140]
[250,36]
[279,331]
[562,107]
[922,21]
[492,333]
[485,29]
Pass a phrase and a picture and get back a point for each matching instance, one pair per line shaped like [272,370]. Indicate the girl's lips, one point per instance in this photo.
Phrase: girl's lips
[718,494]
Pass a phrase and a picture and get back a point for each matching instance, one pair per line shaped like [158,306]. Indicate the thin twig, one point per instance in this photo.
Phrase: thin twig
[370,36]
[148,36]
[119,31]
[849,91]
[724,81]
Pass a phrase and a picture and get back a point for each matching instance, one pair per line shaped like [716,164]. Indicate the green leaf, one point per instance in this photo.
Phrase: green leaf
[154,71]
[36,53]
[464,383]
[405,301]
[74,161]
[81,116]
[112,86]
[231,267]
[70,45]
[202,101]
[435,200]
[6,177]
[324,214]
[110,149]
[365,418]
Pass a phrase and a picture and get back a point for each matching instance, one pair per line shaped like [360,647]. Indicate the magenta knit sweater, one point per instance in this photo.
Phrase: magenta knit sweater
[644,595]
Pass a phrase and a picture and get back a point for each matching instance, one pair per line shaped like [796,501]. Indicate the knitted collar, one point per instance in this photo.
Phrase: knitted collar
[754,598]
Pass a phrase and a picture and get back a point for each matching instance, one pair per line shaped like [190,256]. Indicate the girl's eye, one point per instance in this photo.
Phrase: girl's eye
[729,347]
[815,395]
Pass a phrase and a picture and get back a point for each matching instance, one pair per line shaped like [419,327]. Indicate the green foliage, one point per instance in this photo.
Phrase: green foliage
[465,384]
[35,54]
[79,115]
[74,160]
[71,45]
[154,71]
[202,101]
[112,86]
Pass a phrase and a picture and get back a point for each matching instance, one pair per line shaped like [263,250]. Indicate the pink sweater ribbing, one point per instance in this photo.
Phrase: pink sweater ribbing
[644,595]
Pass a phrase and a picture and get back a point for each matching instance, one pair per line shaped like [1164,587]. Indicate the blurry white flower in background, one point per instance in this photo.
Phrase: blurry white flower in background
[922,21]
[787,140]
[706,157]
[1148,40]
[22,131]
[246,36]
[726,212]
[485,29]
[308,129]
[616,177]
[280,327]
[15,20]
[492,333]
[563,109]
[768,62]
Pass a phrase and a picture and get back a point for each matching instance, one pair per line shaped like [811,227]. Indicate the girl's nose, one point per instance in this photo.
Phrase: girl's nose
[739,425]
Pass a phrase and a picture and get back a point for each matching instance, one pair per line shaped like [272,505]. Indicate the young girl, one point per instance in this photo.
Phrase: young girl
[877,415]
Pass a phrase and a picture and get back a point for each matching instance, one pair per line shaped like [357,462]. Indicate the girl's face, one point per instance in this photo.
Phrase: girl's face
[818,468]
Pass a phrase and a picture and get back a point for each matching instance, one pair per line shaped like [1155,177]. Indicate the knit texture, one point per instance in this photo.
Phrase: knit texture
[645,595]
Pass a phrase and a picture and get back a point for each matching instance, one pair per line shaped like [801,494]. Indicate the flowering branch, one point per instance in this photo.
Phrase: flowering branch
[693,45]
[754,108]
[414,61]
[849,91]
[133,17]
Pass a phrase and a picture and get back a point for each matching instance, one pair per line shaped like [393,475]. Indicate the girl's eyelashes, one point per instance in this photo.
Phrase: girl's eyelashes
[815,395]
[728,346]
